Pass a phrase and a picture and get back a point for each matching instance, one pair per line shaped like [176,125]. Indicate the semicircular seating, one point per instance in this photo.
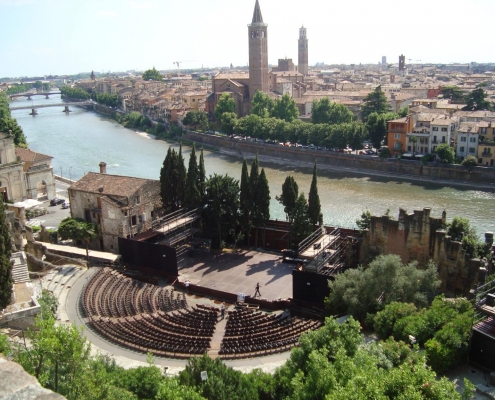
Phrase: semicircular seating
[148,318]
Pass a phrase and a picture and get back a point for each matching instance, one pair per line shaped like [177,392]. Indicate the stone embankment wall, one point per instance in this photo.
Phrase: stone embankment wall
[422,238]
[403,168]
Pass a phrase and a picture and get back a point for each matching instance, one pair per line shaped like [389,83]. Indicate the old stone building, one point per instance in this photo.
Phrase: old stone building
[120,206]
[38,174]
[283,79]
[420,237]
[11,173]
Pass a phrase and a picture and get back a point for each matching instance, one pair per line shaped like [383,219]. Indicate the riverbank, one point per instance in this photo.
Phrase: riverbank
[479,178]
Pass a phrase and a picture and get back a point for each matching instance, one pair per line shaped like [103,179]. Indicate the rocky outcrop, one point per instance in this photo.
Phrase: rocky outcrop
[17,384]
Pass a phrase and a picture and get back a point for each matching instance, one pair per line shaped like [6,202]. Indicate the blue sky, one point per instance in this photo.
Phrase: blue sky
[40,37]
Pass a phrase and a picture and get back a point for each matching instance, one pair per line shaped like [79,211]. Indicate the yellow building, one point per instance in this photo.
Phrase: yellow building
[486,145]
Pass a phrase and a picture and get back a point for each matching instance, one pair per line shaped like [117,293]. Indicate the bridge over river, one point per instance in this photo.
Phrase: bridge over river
[65,105]
[29,95]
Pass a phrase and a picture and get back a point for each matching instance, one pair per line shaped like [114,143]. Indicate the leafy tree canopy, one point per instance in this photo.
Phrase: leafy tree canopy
[152,75]
[361,291]
[285,108]
[376,101]
[452,92]
[225,104]
[261,105]
[476,100]
[326,112]
[445,153]
[5,263]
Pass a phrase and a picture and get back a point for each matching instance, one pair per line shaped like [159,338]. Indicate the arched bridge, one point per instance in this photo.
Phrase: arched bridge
[65,105]
[29,95]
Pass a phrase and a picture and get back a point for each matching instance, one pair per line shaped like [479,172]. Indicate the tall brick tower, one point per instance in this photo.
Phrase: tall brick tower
[258,53]
[302,62]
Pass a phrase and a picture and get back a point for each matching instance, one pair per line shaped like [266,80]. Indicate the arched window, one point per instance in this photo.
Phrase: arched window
[262,34]
[257,33]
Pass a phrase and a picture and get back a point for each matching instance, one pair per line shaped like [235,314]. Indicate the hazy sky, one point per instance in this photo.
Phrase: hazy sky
[41,37]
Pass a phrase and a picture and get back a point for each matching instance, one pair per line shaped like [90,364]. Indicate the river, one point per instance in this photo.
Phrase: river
[78,141]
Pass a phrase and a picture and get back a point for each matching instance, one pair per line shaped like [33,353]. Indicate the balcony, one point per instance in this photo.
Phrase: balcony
[486,154]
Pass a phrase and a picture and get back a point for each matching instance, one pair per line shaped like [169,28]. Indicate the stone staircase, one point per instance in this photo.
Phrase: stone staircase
[19,270]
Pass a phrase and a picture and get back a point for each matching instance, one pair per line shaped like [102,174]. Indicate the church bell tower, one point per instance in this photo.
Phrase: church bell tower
[258,53]
[302,59]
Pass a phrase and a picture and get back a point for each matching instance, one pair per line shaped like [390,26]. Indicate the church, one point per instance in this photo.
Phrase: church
[283,79]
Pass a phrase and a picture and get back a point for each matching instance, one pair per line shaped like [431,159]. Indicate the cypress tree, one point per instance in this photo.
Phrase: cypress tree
[253,193]
[314,206]
[201,175]
[165,181]
[192,196]
[181,183]
[301,225]
[245,200]
[263,205]
[288,199]
[5,264]
[170,181]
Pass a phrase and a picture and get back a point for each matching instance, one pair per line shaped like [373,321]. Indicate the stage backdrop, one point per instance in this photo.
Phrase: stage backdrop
[149,258]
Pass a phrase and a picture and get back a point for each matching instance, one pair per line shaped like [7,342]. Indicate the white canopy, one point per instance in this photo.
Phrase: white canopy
[29,203]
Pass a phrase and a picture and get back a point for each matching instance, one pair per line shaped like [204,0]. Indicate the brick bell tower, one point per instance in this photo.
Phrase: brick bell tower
[258,53]
[302,59]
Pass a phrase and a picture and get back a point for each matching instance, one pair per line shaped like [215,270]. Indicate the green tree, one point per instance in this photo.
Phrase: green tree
[452,92]
[171,183]
[403,112]
[460,230]
[225,104]
[314,206]
[290,193]
[445,153]
[414,140]
[285,108]
[228,122]
[376,125]
[326,112]
[261,105]
[469,162]
[5,263]
[361,291]
[201,174]
[301,224]
[262,215]
[171,389]
[375,101]
[223,383]
[245,208]
[49,304]
[384,153]
[476,100]
[9,124]
[221,209]
[196,119]
[385,320]
[152,75]
[365,220]
[192,194]
[57,357]
[78,230]
[144,382]
[181,187]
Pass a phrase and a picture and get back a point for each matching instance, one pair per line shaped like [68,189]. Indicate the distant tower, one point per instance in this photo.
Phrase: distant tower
[258,53]
[402,62]
[384,60]
[302,59]
[93,75]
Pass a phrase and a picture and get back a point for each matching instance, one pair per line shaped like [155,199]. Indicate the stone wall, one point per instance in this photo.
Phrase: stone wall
[406,168]
[422,238]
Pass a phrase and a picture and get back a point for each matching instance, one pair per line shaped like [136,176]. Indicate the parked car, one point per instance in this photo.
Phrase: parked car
[65,205]
[56,201]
